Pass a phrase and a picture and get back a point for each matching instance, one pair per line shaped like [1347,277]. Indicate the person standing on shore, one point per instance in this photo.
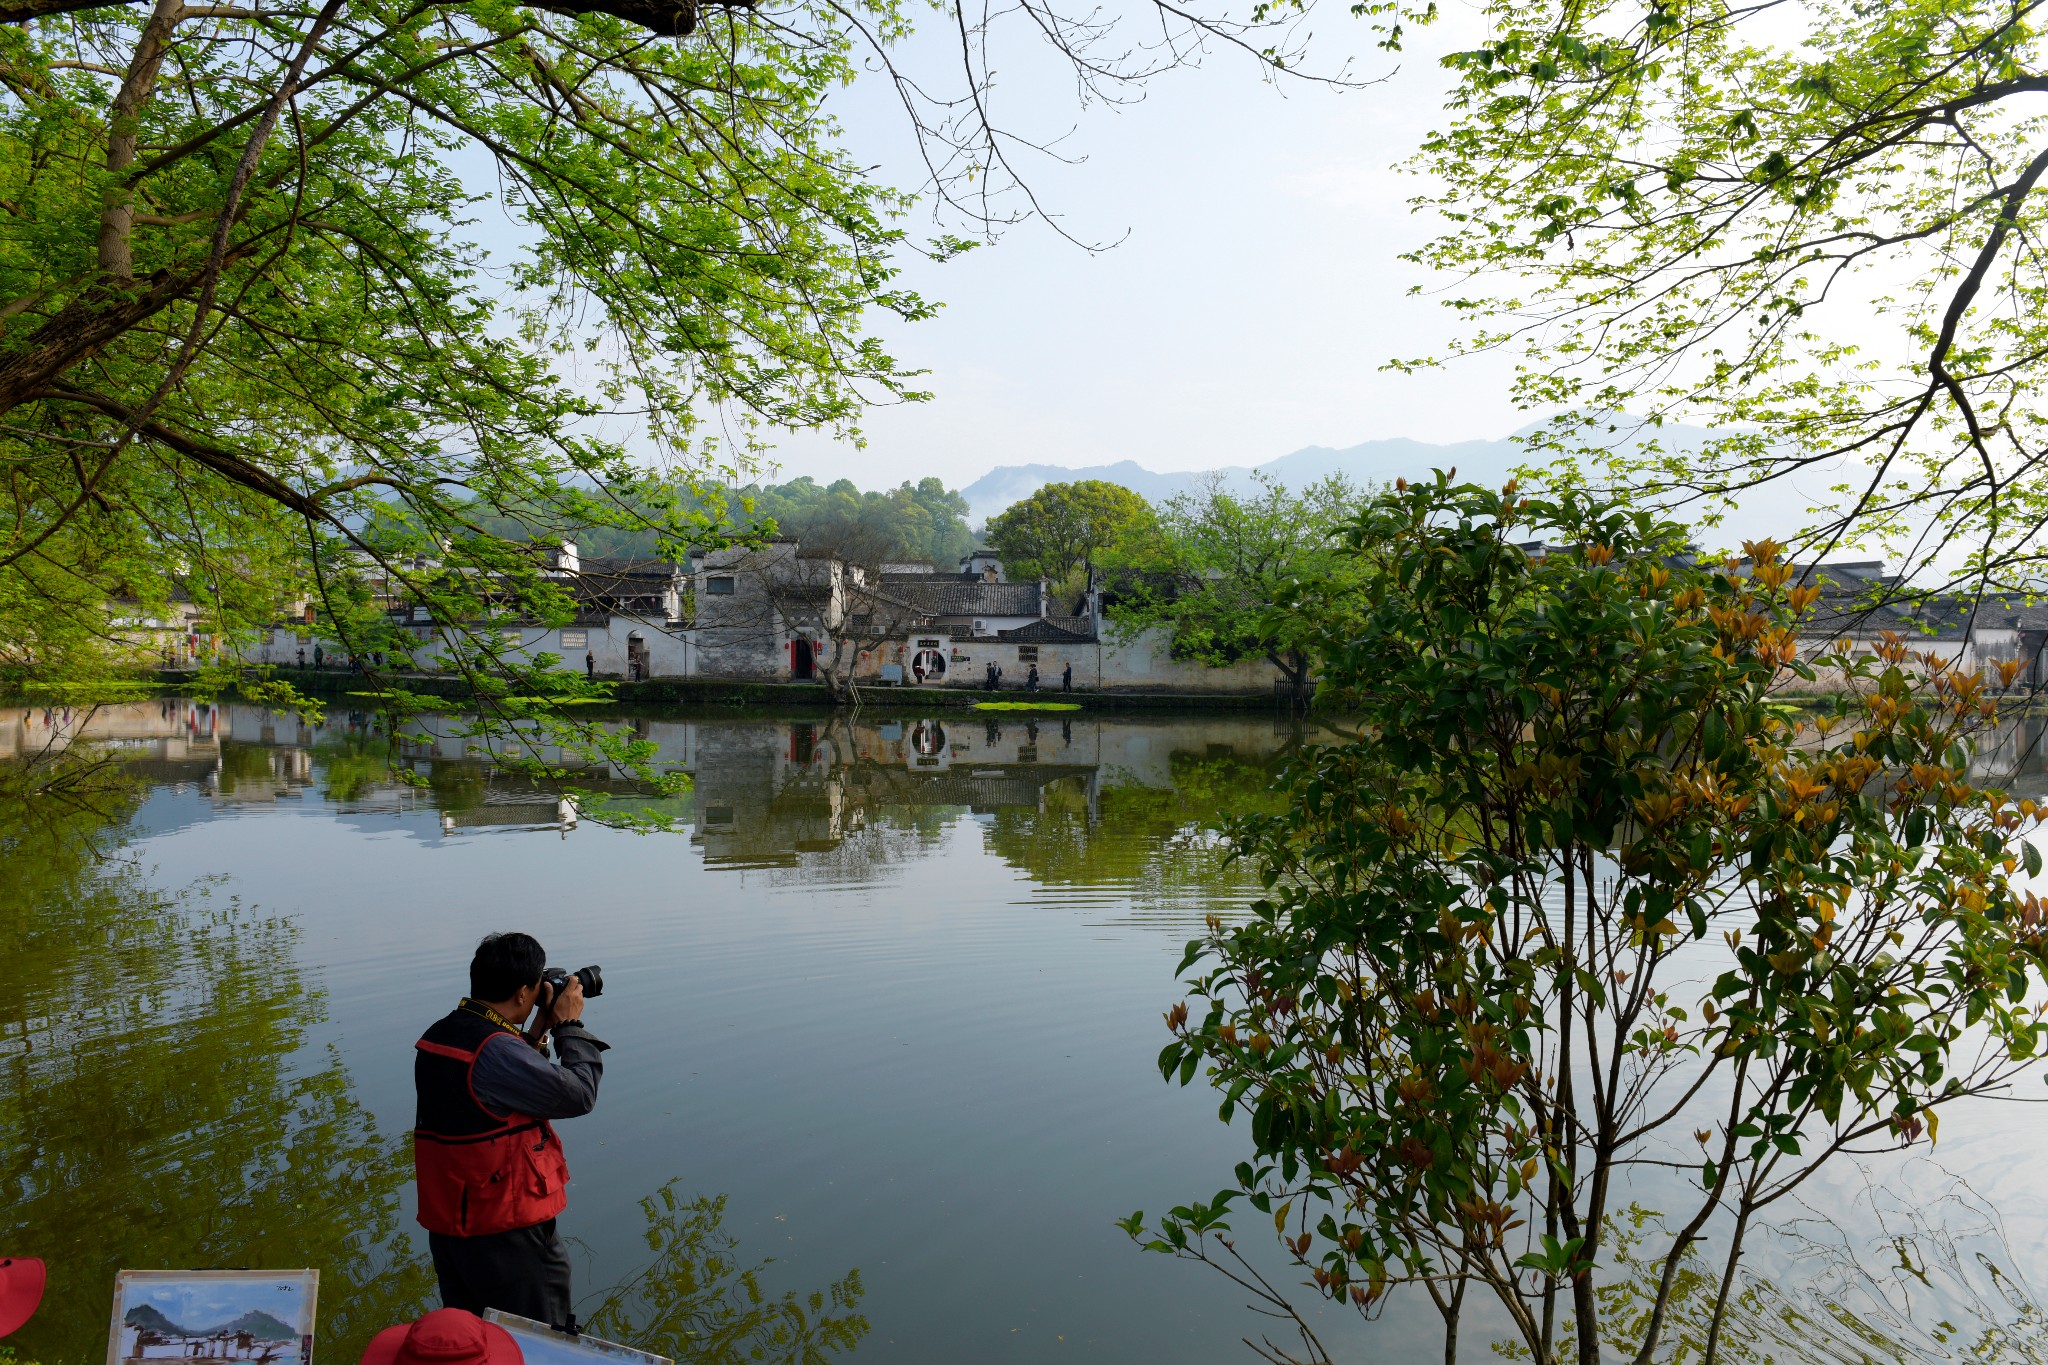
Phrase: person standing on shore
[1067,678]
[491,1174]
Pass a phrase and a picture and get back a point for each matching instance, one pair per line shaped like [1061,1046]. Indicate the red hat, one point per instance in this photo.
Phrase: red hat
[21,1289]
[446,1336]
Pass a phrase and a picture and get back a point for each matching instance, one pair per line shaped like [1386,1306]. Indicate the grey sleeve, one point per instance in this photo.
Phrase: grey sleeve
[512,1076]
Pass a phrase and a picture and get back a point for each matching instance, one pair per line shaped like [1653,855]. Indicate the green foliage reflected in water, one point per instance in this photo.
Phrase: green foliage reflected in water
[1135,834]
[154,1108]
[1915,1267]
[157,1107]
[698,1302]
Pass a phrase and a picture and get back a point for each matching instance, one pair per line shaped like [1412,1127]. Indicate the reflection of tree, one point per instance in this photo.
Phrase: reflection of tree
[1150,838]
[697,1303]
[879,840]
[1918,1268]
[355,762]
[154,1110]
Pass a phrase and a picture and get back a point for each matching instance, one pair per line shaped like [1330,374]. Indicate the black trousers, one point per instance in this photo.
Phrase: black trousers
[524,1271]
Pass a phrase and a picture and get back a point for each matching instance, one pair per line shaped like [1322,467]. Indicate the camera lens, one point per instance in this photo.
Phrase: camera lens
[593,980]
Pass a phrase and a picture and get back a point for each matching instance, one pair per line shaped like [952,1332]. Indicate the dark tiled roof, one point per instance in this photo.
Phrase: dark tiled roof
[1054,630]
[886,619]
[1937,617]
[950,596]
[619,566]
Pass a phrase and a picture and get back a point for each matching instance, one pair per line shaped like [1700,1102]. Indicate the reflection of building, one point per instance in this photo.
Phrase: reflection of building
[168,738]
[768,793]
[256,773]
[513,810]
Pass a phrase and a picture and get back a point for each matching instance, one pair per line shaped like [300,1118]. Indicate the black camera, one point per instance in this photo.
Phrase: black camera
[556,981]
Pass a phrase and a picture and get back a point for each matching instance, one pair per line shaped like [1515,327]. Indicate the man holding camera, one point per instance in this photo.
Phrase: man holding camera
[489,1167]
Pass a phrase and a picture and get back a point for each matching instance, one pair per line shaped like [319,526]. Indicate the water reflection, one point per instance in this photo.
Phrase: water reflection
[1068,800]
[697,1302]
[1917,1267]
[873,971]
[161,1105]
[155,1107]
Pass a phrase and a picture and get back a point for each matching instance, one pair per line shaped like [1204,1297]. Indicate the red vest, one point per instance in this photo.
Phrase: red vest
[479,1171]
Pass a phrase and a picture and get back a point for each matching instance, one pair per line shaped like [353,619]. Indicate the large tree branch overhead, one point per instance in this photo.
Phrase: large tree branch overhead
[670,18]
[81,329]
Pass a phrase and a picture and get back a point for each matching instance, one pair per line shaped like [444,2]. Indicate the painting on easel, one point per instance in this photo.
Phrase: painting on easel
[259,1316]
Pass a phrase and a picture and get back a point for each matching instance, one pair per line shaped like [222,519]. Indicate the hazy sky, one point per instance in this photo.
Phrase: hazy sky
[1247,312]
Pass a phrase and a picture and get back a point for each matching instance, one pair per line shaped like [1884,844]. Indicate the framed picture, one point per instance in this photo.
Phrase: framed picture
[541,1344]
[257,1315]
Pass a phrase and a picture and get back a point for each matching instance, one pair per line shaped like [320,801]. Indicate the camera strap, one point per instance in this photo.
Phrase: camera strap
[483,1011]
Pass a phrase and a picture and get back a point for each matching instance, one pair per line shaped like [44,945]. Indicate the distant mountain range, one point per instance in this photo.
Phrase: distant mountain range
[1771,511]
[258,1324]
[1375,461]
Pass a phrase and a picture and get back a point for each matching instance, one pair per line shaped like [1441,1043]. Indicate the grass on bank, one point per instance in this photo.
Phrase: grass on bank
[1027,706]
[528,701]
[94,693]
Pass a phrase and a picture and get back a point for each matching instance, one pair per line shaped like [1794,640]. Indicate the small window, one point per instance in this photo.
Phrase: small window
[269,637]
[718,815]
[421,614]
[1027,654]
[510,637]
[575,639]
[719,587]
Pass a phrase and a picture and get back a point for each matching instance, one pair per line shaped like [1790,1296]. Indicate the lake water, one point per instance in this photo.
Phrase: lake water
[883,1010]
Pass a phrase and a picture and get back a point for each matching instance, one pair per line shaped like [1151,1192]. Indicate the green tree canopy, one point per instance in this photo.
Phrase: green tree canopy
[1817,230]
[1064,525]
[120,1150]
[921,521]
[1221,562]
[248,305]
[251,316]
[1580,896]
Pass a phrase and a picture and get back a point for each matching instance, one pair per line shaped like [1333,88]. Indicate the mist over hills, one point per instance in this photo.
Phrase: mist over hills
[1380,461]
[1776,509]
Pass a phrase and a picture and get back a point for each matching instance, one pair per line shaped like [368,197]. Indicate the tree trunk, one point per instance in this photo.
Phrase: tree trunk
[117,214]
[1586,1311]
[1293,666]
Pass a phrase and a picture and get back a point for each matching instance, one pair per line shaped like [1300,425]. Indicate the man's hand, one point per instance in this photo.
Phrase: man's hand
[568,1002]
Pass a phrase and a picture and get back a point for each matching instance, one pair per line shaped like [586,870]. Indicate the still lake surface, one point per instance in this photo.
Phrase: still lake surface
[883,1013]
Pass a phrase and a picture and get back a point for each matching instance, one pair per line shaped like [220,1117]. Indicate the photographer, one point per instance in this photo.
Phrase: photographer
[490,1169]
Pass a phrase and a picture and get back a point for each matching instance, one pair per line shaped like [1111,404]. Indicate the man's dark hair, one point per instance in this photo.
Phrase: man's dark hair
[503,963]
